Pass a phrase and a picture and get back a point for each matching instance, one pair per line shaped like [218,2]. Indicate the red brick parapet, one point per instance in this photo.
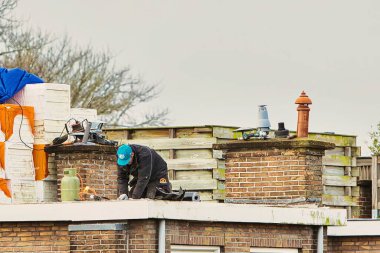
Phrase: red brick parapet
[98,237]
[274,171]
[235,237]
[96,165]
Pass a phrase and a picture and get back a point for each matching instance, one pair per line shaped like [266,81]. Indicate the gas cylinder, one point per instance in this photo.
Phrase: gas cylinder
[70,185]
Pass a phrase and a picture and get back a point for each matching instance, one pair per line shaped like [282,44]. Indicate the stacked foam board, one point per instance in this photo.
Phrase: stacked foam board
[4,199]
[46,190]
[16,158]
[22,191]
[50,100]
[51,104]
[18,161]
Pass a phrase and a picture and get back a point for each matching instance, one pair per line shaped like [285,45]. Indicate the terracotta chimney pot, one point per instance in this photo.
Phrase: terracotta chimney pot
[303,109]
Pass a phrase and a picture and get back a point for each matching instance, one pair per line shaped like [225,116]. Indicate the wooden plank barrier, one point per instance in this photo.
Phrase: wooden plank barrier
[192,163]
[375,186]
[195,166]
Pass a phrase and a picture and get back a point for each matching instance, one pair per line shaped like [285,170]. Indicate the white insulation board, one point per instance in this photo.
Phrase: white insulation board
[18,160]
[50,100]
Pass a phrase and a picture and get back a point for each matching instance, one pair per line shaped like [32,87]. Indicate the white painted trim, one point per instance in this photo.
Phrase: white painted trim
[194,249]
[273,250]
[172,210]
[356,228]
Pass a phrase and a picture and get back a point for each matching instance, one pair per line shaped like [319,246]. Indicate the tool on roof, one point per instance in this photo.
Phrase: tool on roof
[281,132]
[173,195]
[191,196]
[263,129]
[85,132]
[89,193]
[72,188]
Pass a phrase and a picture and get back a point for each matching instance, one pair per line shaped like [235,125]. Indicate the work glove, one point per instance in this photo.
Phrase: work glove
[123,197]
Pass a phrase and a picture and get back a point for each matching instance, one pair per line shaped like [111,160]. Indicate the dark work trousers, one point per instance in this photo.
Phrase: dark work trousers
[150,190]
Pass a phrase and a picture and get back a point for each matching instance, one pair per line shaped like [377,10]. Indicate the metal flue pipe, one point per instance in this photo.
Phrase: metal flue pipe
[161,236]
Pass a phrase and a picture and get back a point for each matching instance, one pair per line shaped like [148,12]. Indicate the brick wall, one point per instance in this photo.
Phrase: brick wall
[234,238]
[111,241]
[365,200]
[274,174]
[95,164]
[358,244]
[57,237]
[143,236]
[34,237]
[262,171]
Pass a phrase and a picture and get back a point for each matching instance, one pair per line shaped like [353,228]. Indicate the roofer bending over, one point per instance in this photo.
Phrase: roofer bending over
[148,169]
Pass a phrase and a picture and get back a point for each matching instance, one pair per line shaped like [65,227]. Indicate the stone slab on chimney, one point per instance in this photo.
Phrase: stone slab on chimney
[96,165]
[274,171]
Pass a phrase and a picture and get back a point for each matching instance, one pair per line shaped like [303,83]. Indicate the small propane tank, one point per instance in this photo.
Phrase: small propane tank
[70,185]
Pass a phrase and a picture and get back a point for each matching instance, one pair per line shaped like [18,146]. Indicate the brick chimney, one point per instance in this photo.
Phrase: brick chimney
[275,171]
[96,165]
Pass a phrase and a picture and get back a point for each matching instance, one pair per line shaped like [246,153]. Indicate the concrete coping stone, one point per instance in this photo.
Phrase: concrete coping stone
[122,211]
[275,144]
[359,227]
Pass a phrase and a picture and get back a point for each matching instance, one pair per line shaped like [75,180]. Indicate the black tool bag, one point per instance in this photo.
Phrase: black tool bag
[172,195]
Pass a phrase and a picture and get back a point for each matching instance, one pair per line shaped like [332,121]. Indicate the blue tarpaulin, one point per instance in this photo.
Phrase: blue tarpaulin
[13,80]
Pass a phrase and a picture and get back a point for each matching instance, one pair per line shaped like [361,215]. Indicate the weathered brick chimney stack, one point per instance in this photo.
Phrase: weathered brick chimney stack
[274,171]
[96,165]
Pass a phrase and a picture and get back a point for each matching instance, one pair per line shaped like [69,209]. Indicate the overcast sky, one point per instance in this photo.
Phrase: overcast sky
[217,60]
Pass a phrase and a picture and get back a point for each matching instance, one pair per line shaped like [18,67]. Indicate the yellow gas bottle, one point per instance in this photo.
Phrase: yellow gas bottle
[70,185]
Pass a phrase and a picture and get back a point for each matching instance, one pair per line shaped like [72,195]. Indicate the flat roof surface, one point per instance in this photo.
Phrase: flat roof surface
[172,210]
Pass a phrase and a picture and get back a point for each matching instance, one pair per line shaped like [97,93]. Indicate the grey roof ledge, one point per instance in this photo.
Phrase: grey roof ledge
[172,210]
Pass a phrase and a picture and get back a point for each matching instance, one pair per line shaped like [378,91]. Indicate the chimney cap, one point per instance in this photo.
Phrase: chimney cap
[303,99]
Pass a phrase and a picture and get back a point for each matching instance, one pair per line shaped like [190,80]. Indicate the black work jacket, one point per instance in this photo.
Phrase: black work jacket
[147,166]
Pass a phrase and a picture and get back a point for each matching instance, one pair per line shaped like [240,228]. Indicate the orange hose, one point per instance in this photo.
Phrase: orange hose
[81,182]
[81,192]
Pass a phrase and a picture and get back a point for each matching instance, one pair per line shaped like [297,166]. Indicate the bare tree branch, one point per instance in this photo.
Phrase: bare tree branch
[94,79]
